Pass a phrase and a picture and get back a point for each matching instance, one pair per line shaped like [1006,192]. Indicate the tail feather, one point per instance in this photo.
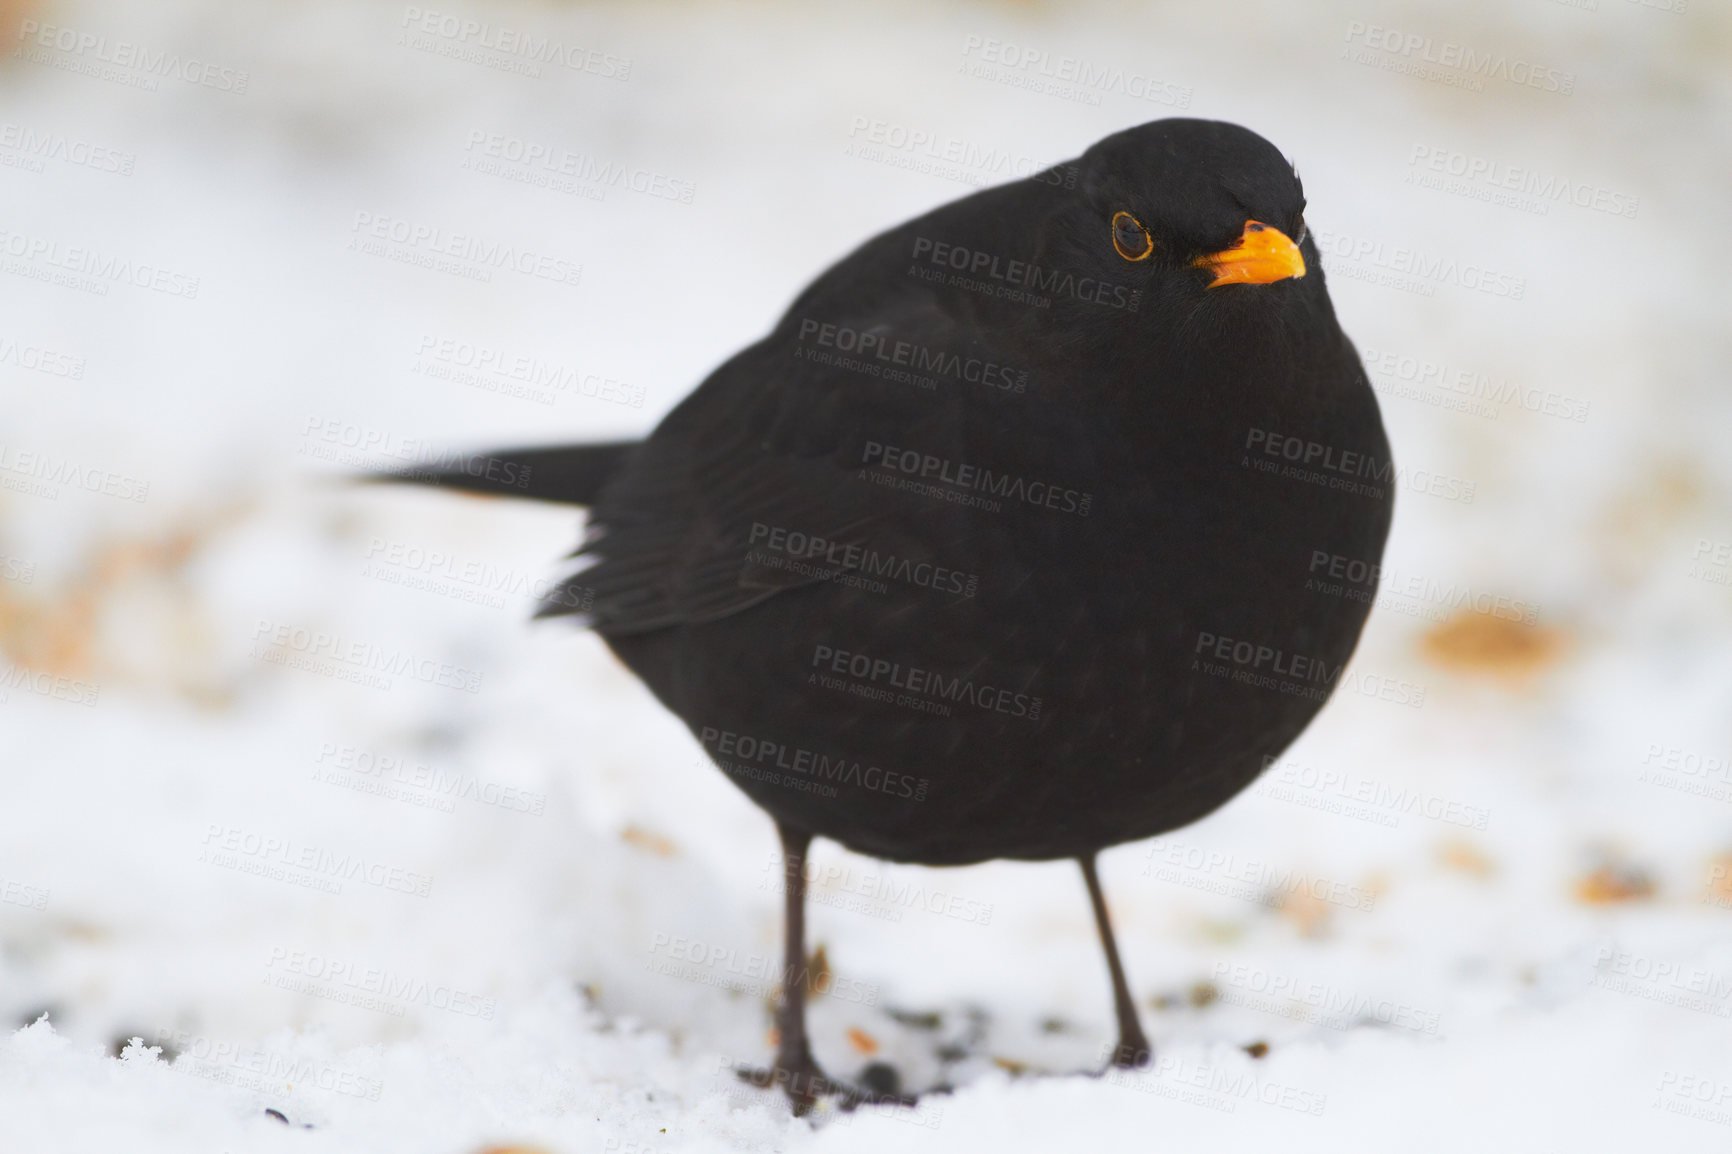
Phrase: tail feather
[562,474]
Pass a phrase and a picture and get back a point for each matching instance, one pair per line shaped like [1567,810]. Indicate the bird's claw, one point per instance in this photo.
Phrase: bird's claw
[805,1084]
[1131,1055]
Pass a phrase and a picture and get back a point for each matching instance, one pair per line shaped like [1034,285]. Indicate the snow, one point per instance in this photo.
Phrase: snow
[1517,924]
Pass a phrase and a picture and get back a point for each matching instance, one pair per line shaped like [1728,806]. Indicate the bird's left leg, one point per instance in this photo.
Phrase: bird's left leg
[796,1070]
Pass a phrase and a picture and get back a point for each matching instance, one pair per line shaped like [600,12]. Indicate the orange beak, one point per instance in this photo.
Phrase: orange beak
[1262,255]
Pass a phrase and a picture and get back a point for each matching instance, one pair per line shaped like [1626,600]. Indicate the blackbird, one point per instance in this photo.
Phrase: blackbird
[1006,541]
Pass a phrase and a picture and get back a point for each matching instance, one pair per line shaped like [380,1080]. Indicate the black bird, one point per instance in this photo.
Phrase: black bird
[998,545]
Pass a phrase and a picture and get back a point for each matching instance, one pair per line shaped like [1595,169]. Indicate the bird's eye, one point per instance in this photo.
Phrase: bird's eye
[1299,237]
[1131,238]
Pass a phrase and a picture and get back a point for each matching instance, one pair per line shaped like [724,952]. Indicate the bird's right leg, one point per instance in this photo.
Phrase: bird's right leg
[1133,1048]
[796,1071]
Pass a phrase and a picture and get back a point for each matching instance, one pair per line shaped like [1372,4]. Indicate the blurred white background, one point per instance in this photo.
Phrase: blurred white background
[246,248]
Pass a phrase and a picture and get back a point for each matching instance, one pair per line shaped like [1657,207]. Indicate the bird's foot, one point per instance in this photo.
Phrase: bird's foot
[1131,1054]
[801,1079]
[797,1074]
[803,1085]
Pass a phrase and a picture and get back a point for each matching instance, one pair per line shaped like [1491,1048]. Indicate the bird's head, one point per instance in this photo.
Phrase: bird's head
[1199,228]
[1198,204]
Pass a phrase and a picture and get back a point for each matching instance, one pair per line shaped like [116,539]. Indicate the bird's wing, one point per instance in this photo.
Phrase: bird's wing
[769,449]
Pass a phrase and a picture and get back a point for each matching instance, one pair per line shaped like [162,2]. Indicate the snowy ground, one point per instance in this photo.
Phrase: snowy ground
[1522,929]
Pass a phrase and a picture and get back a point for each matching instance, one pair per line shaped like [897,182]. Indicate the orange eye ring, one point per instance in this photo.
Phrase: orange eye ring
[1123,222]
